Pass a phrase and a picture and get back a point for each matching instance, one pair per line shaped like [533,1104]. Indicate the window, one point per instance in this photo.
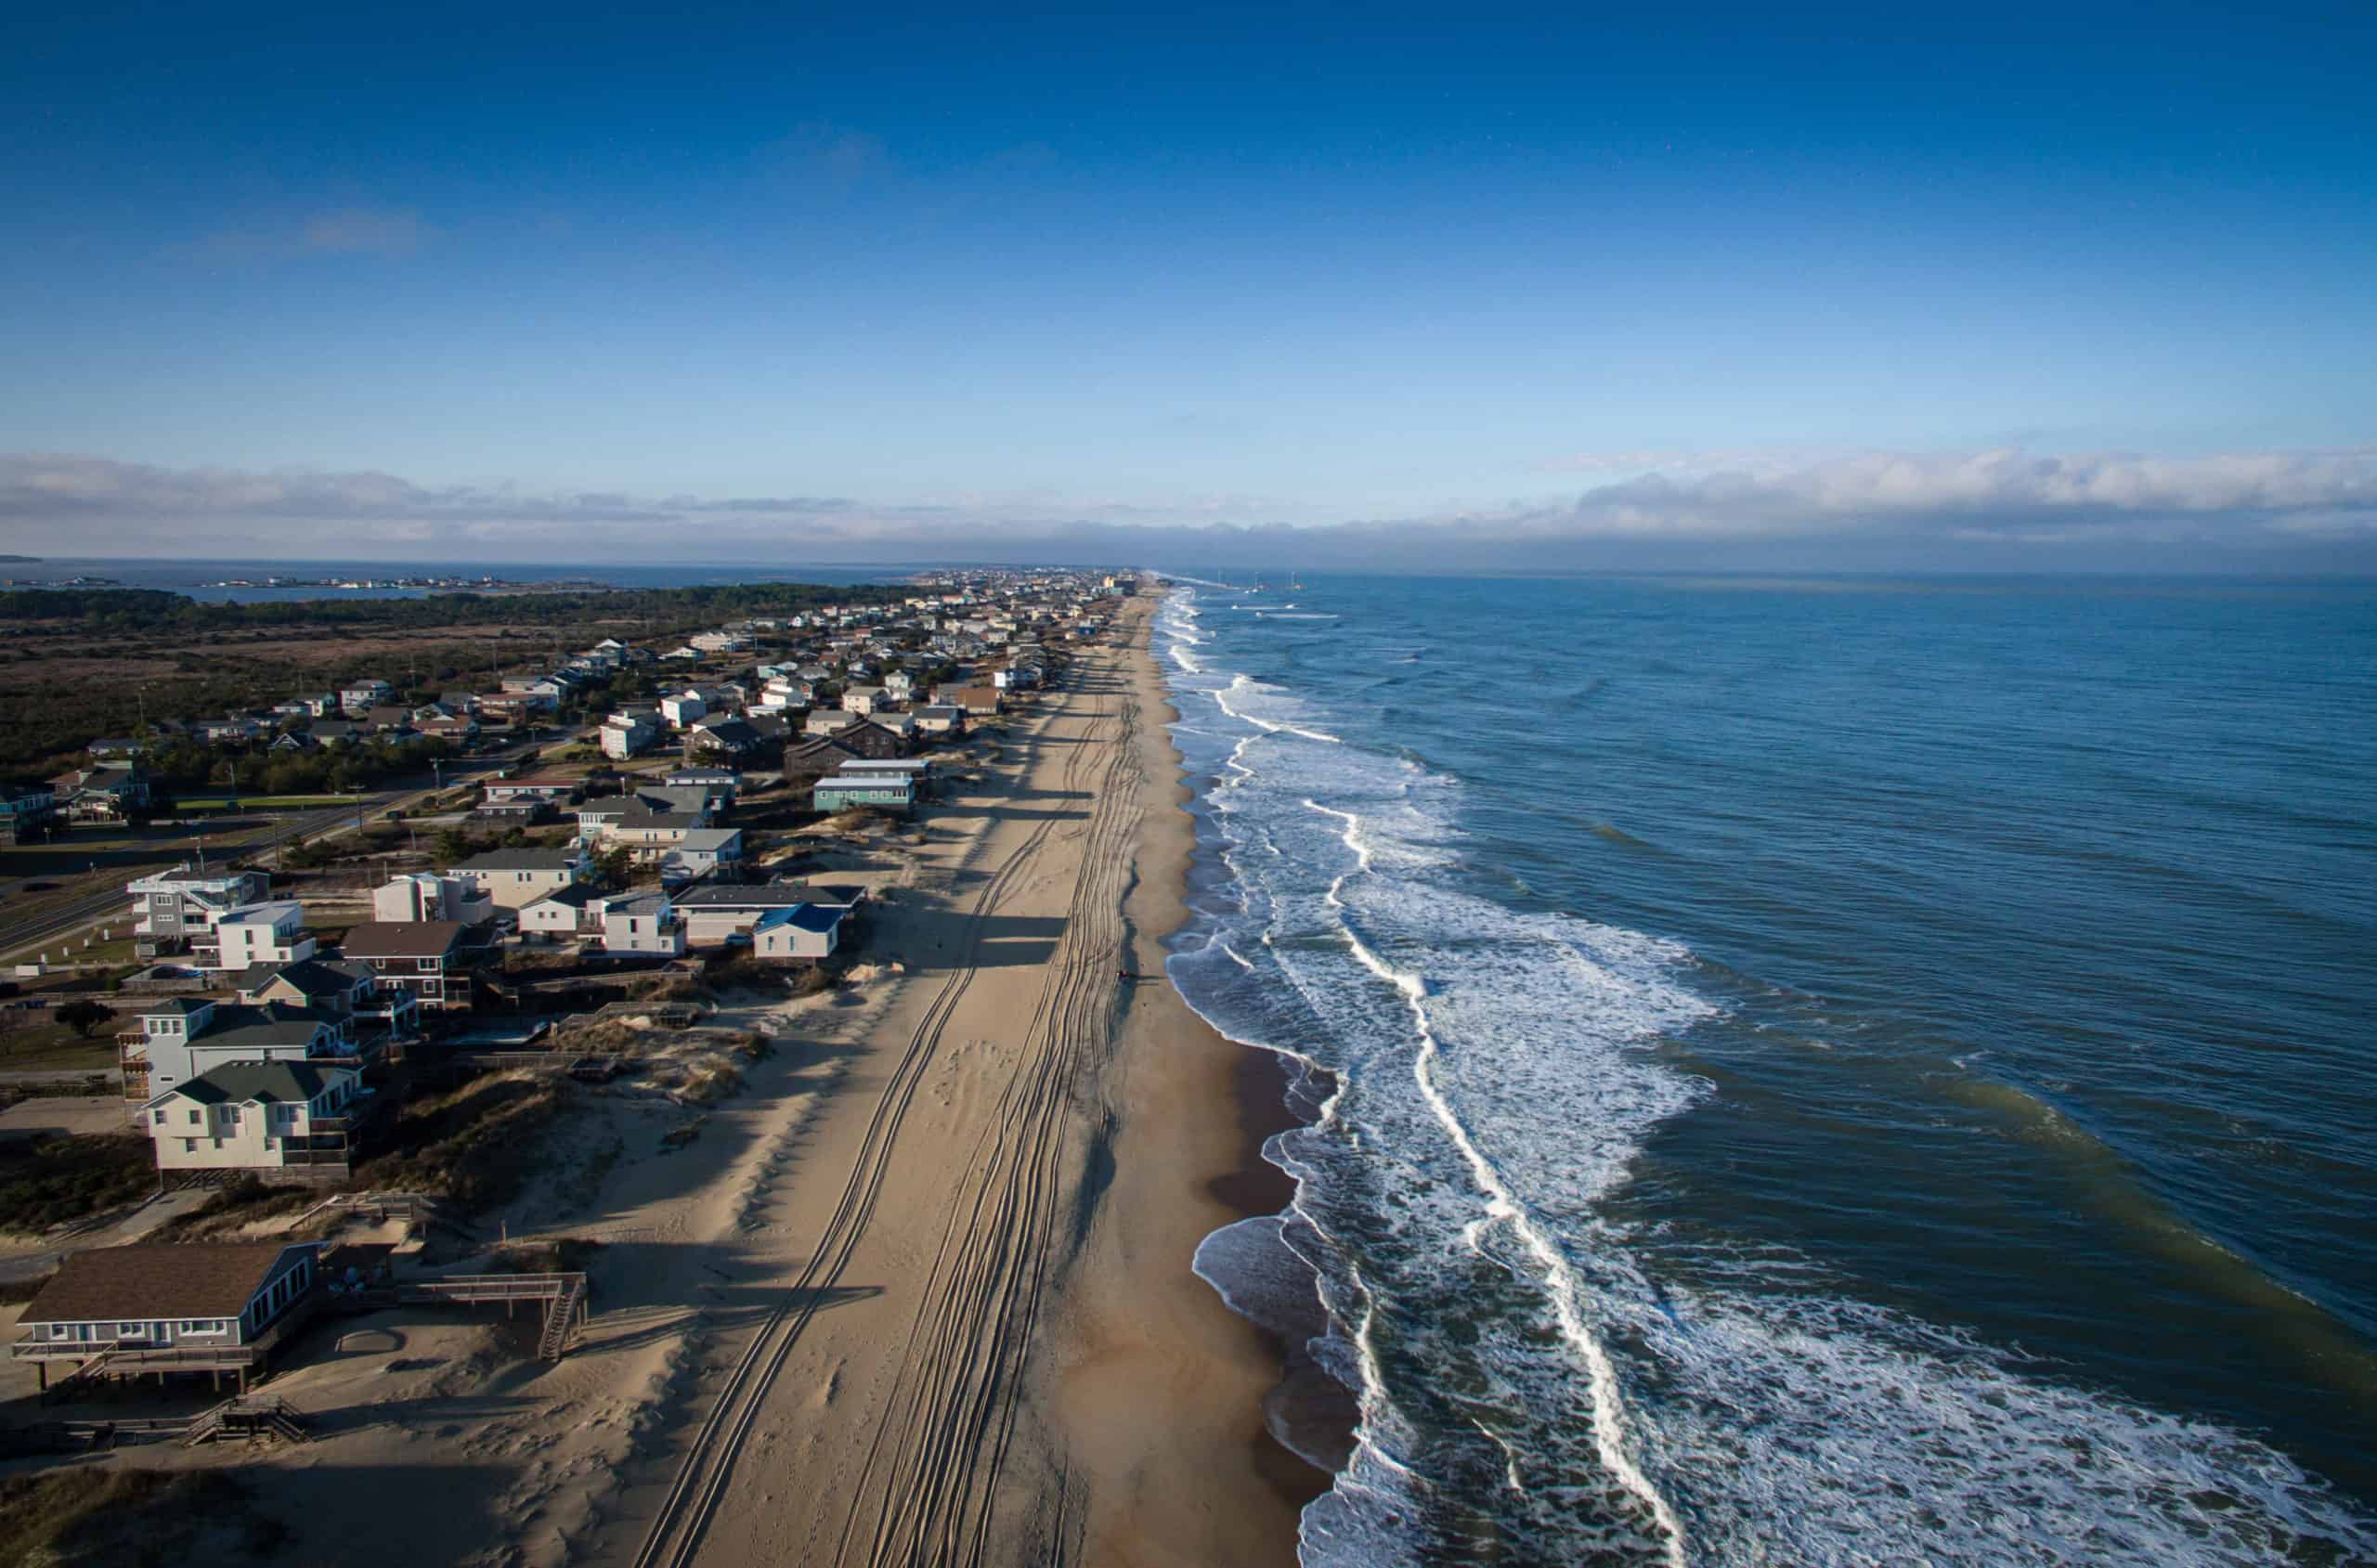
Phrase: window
[194,1117]
[157,1118]
[190,1145]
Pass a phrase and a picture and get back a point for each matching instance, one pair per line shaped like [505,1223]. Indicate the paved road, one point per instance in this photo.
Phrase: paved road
[68,919]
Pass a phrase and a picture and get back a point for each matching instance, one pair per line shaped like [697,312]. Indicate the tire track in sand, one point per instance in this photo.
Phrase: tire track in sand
[677,1529]
[928,1492]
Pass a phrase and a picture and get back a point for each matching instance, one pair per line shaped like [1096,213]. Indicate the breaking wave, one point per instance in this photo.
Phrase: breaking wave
[1529,1390]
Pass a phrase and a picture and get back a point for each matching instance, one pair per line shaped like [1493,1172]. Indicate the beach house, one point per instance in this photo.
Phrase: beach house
[425,957]
[805,931]
[273,932]
[889,792]
[287,1120]
[177,1038]
[210,1307]
[516,878]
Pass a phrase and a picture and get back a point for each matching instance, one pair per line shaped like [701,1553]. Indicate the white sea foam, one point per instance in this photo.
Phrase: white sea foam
[1252,693]
[1489,1089]
[1611,1436]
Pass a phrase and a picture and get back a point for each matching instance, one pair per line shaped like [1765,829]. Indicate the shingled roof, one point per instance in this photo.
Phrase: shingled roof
[156,1281]
[402,938]
[254,1082]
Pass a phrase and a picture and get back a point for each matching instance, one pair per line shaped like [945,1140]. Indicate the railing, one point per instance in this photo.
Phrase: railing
[30,1349]
[249,1415]
[147,1357]
[473,1287]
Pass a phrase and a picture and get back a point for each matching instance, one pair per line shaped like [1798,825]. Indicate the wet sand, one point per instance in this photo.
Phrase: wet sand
[1156,1386]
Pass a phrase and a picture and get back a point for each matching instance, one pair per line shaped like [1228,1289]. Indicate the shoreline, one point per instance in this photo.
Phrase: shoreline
[1143,1335]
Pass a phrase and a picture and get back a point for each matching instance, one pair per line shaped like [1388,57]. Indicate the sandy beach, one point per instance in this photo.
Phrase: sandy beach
[921,1289]
[993,1348]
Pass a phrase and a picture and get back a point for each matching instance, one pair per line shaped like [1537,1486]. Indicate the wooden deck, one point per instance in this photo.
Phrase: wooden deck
[113,1358]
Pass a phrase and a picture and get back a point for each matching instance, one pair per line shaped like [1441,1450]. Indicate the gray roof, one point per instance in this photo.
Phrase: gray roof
[642,816]
[273,1023]
[773,895]
[251,1083]
[526,857]
[177,1006]
[314,977]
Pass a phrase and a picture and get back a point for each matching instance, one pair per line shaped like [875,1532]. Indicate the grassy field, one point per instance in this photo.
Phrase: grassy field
[113,1514]
[46,1182]
[47,1047]
[264,803]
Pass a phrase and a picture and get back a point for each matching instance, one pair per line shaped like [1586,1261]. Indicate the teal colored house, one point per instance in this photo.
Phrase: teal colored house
[845,790]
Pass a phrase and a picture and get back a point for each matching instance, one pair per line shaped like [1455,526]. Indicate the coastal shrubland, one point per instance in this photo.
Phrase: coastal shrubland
[49,1181]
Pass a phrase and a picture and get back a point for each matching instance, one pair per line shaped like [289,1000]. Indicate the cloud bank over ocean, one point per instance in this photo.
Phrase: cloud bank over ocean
[1999,509]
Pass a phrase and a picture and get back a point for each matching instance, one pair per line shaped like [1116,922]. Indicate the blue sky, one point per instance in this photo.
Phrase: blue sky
[473,279]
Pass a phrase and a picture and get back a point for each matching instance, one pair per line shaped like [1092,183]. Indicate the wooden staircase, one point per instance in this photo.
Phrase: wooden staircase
[249,1416]
[563,1315]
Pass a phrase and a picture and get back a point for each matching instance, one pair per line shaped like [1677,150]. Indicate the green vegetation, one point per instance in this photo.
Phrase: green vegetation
[82,1015]
[48,1181]
[263,778]
[233,1208]
[147,609]
[79,663]
[116,1514]
[474,1144]
[50,1046]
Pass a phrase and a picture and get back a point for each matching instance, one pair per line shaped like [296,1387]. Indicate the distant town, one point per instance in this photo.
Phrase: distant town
[433,584]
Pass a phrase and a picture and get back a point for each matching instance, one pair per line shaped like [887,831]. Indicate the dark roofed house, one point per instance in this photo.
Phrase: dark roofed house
[180,1037]
[203,1307]
[330,984]
[865,741]
[717,913]
[424,957]
[727,740]
[518,877]
[288,1118]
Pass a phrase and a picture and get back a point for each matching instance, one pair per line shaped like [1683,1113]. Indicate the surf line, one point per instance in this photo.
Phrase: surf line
[1274,726]
[1609,1424]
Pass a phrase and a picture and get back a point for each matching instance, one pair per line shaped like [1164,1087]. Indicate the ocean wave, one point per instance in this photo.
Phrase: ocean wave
[1247,693]
[1526,1390]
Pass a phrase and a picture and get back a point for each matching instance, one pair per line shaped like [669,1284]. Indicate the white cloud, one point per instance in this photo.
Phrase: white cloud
[1946,509]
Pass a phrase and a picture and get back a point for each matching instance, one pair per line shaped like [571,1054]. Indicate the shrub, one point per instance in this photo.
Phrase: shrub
[48,1181]
[83,1016]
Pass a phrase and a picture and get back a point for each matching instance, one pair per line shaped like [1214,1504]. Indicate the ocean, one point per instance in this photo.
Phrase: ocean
[1825,1071]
